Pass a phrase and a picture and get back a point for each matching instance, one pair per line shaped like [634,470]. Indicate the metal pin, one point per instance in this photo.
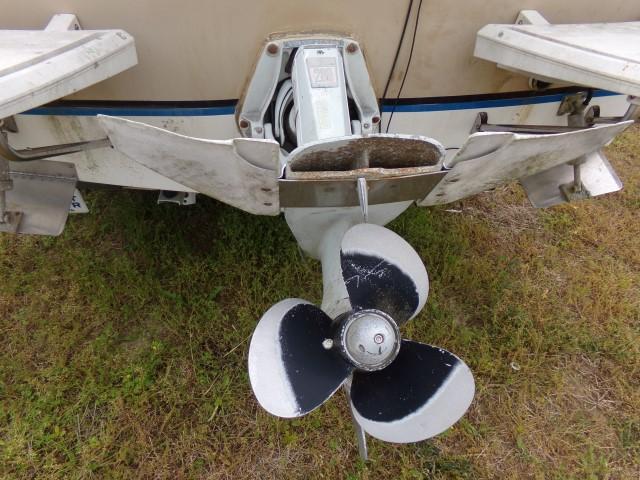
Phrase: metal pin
[577,180]
[363,198]
[361,437]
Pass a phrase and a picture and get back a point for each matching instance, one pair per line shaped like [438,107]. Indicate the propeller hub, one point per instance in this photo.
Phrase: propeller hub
[369,339]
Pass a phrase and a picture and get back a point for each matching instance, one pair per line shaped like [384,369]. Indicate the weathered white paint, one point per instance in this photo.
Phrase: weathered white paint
[241,172]
[597,55]
[37,67]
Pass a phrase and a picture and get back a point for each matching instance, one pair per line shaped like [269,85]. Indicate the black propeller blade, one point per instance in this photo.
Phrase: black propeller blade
[422,393]
[382,271]
[291,372]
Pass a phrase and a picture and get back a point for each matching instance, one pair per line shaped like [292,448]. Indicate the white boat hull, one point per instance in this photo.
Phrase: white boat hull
[449,122]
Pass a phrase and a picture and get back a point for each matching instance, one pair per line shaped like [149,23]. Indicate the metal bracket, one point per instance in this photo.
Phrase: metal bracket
[39,196]
[547,187]
[530,17]
[271,69]
[8,125]
[592,117]
[481,124]
[179,198]
[575,190]
[63,22]
[49,193]
[39,153]
[9,221]
[574,106]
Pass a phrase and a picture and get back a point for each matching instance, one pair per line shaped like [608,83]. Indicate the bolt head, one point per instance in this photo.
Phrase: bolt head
[244,124]
[375,120]
[352,48]
[272,48]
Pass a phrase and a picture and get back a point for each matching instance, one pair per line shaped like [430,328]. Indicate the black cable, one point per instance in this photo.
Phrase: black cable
[406,71]
[395,59]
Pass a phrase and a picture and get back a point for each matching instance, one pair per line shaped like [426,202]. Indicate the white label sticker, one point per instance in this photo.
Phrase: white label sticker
[323,72]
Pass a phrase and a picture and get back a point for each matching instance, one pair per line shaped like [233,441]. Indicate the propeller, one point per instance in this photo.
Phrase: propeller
[400,391]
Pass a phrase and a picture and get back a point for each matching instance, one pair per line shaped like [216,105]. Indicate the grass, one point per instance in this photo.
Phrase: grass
[123,342]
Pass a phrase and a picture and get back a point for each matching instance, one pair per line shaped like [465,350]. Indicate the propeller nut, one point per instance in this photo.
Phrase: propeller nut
[369,339]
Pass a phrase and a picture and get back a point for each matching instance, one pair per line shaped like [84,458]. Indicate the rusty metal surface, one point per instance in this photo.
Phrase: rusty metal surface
[366,173]
[324,192]
[374,151]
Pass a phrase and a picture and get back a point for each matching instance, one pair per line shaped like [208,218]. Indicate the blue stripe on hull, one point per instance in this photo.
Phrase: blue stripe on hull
[133,111]
[182,111]
[479,104]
